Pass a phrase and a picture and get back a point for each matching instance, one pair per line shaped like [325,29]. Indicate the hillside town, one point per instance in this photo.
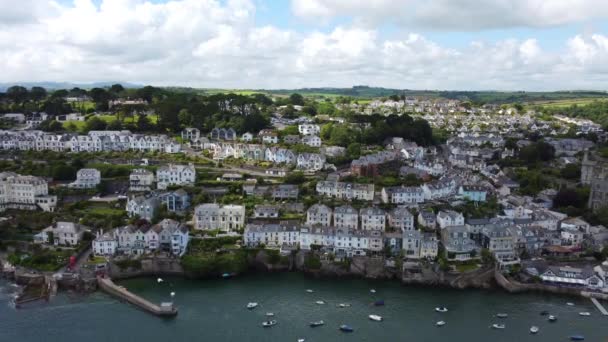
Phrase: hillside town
[505,188]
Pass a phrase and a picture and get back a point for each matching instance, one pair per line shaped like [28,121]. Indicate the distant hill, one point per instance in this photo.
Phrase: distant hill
[66,85]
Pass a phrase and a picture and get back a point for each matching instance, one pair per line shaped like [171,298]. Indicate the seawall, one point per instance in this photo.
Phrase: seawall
[164,310]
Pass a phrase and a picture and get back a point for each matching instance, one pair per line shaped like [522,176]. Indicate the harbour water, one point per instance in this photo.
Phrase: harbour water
[214,310]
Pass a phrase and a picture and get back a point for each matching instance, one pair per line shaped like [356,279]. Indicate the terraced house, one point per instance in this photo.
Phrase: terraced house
[227,218]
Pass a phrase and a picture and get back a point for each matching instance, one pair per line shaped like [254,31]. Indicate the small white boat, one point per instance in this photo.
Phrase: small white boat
[585,313]
[502,315]
[375,318]
[252,305]
[498,326]
[316,324]
[309,291]
[320,302]
[372,290]
[441,309]
[268,324]
[552,318]
[270,314]
[570,304]
[440,323]
[534,329]
[343,305]
[172,294]
[159,280]
[301,340]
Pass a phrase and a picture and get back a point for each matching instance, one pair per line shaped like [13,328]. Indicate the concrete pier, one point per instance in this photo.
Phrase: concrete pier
[164,310]
[599,306]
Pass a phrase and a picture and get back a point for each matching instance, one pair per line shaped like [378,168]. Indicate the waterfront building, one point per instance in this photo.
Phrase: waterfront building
[271,235]
[346,217]
[457,243]
[227,218]
[104,244]
[61,234]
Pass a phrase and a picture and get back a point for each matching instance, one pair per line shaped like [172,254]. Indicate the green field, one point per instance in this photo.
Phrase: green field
[567,102]
[80,126]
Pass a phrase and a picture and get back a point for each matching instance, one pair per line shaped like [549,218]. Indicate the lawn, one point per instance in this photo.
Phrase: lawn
[80,126]
[462,268]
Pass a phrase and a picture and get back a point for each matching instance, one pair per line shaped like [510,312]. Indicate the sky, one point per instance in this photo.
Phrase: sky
[532,45]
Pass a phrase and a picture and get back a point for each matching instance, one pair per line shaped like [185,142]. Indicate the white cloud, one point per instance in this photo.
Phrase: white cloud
[213,43]
[455,14]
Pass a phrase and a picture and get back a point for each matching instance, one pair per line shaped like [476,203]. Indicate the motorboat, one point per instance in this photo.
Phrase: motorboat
[441,309]
[584,313]
[379,302]
[320,302]
[502,315]
[376,318]
[316,324]
[227,275]
[372,290]
[310,291]
[440,323]
[270,314]
[534,329]
[498,326]
[346,328]
[552,318]
[544,313]
[268,324]
[343,305]
[252,305]
[577,338]
[570,304]
[301,340]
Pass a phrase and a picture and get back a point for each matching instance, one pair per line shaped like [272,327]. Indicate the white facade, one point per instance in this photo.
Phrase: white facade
[312,140]
[402,195]
[319,215]
[271,235]
[173,174]
[447,218]
[25,192]
[373,219]
[63,234]
[86,179]
[309,129]
[104,244]
[346,217]
[213,216]
[141,180]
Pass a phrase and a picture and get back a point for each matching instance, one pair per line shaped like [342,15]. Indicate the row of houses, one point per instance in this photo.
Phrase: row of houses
[141,180]
[277,155]
[370,218]
[341,241]
[94,141]
[167,235]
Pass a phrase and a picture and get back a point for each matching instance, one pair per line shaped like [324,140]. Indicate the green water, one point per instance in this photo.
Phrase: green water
[215,311]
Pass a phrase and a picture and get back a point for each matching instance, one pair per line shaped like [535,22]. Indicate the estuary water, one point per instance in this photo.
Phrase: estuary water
[214,310]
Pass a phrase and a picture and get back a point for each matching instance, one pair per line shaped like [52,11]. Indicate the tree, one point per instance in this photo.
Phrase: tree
[185,118]
[117,89]
[487,257]
[17,94]
[37,94]
[95,124]
[571,171]
[296,99]
[143,123]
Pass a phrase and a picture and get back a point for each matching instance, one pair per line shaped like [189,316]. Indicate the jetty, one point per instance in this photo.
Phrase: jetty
[599,306]
[163,310]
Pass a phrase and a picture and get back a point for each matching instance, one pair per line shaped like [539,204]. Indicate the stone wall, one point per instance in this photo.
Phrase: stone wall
[149,267]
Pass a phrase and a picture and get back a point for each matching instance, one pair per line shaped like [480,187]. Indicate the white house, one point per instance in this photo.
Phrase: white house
[402,194]
[144,207]
[400,218]
[309,129]
[319,214]
[141,180]
[311,140]
[372,218]
[175,175]
[86,179]
[346,217]
[62,233]
[271,235]
[447,218]
[25,192]
[105,244]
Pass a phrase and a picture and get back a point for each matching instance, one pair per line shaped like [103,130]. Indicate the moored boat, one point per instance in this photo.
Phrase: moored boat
[552,318]
[268,324]
[570,304]
[440,323]
[320,302]
[498,326]
[317,323]
[534,329]
[372,290]
[343,305]
[376,318]
[577,338]
[252,305]
[441,309]
[502,315]
[346,328]
[584,313]
[309,291]
[270,314]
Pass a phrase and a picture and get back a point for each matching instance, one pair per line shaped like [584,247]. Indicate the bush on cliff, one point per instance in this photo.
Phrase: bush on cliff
[210,264]
[128,263]
[312,262]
